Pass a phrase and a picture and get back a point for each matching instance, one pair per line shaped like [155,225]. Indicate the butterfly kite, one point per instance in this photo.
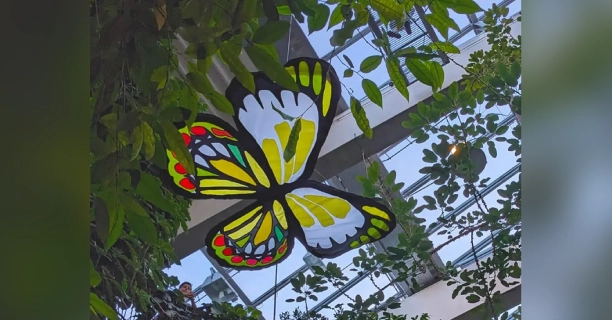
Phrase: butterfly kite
[248,163]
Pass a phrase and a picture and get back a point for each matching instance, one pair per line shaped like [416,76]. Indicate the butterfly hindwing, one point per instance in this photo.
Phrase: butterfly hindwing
[254,238]
[225,169]
[333,222]
[269,115]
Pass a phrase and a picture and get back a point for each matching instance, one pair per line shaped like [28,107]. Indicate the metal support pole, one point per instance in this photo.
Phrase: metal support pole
[229,279]
[378,34]
[473,19]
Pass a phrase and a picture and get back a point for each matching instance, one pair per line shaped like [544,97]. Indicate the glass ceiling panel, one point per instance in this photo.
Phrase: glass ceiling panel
[357,52]
[255,283]
[458,247]
[320,39]
[194,269]
[406,158]
[363,288]
[267,307]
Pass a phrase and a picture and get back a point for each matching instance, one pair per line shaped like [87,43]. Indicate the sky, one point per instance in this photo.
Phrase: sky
[407,162]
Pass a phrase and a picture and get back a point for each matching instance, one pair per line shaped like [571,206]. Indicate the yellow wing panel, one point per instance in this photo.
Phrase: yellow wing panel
[255,238]
[334,222]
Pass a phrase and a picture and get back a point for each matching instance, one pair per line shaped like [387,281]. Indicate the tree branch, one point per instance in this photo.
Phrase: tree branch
[461,234]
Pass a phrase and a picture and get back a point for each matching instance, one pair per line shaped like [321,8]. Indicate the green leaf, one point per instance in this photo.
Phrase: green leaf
[297,13]
[270,10]
[372,92]
[462,6]
[348,60]
[416,55]
[319,20]
[379,42]
[282,114]
[396,75]
[116,217]
[453,90]
[149,187]
[360,117]
[430,157]
[420,71]
[176,143]
[137,140]
[348,73]
[515,68]
[271,32]
[128,121]
[94,276]
[138,220]
[446,47]
[200,83]
[340,36]
[442,23]
[294,136]
[492,150]
[160,76]
[238,68]
[203,85]
[102,218]
[506,75]
[390,178]
[101,307]
[284,10]
[373,172]
[148,140]
[266,63]
[369,64]
[389,9]
[472,298]
[336,17]
[437,74]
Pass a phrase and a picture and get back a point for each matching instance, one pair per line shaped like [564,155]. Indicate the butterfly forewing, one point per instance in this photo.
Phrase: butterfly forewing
[224,167]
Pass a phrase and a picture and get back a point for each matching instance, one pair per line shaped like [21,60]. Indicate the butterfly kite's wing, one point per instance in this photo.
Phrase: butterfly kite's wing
[269,114]
[254,238]
[332,222]
[224,168]
[327,221]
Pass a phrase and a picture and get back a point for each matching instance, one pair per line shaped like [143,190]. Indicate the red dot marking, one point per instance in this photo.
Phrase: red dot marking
[221,133]
[180,169]
[228,251]
[282,248]
[251,262]
[199,131]
[266,260]
[187,184]
[219,241]
[187,138]
[237,259]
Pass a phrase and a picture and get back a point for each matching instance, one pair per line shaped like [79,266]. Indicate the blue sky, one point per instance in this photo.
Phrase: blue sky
[195,268]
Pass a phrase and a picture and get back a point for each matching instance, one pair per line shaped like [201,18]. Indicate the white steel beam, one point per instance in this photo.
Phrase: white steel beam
[437,301]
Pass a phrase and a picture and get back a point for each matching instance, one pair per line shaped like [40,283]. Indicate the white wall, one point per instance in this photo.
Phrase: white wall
[436,300]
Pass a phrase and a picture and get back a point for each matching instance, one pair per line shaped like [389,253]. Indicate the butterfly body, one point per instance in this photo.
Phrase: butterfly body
[248,163]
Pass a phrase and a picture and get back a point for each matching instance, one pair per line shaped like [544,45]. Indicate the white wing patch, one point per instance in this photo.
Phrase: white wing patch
[261,121]
[324,217]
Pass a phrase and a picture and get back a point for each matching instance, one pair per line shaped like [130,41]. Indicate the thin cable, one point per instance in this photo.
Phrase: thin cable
[275,289]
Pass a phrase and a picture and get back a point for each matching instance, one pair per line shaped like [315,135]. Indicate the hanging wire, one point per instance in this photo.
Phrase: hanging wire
[275,289]
[276,265]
